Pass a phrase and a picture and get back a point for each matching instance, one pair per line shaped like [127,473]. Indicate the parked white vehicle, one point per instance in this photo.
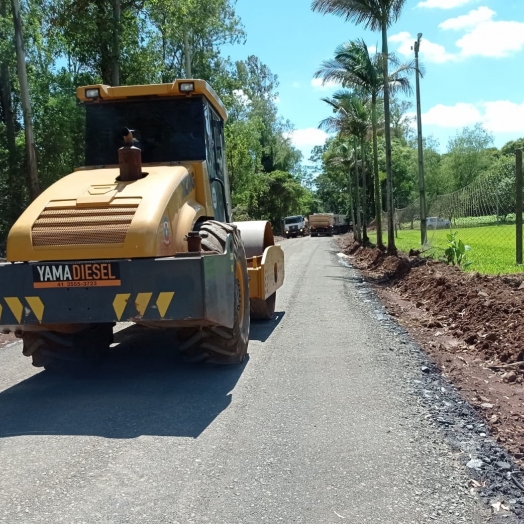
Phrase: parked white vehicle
[437,223]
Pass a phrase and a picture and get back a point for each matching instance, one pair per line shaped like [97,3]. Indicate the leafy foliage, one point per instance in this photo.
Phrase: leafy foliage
[468,156]
[455,252]
[70,43]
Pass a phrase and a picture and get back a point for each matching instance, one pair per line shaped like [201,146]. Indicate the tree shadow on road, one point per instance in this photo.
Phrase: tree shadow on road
[143,388]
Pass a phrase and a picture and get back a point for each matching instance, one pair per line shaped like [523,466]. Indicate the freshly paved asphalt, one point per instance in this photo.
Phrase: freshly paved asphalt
[319,426]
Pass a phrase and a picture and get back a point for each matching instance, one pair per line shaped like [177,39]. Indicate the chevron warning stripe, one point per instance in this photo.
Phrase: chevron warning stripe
[16,307]
[141,302]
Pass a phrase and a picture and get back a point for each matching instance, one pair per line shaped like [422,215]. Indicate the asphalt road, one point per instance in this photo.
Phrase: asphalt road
[319,426]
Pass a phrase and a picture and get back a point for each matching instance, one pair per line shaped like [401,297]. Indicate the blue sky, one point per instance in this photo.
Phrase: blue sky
[472,50]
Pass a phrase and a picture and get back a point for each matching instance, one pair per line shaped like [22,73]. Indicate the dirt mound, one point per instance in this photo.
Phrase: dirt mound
[470,324]
[378,263]
[484,312]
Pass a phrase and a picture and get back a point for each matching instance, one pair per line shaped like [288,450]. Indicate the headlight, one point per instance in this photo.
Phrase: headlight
[186,87]
[92,93]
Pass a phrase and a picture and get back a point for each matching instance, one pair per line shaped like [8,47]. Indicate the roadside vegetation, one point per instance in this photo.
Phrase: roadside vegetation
[493,252]
[369,170]
[74,43]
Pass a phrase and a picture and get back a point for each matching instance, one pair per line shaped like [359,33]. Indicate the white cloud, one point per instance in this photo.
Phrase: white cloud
[429,51]
[319,84]
[372,49]
[483,37]
[296,85]
[493,39]
[459,115]
[469,21]
[442,4]
[499,116]
[308,137]
[503,116]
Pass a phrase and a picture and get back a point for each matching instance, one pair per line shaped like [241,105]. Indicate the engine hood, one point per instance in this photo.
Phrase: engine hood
[90,215]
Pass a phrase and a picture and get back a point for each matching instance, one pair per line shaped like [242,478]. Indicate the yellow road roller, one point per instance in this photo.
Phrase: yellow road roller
[142,233]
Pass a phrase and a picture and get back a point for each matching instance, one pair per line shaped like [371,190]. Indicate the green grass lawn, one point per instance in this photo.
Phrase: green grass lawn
[492,247]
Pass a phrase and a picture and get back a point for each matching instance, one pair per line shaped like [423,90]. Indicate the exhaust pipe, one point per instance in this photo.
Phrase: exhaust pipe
[129,159]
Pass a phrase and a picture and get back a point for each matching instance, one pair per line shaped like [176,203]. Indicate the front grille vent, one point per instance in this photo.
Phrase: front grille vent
[82,225]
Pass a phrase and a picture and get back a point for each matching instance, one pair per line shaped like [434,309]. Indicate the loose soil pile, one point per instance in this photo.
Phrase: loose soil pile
[470,324]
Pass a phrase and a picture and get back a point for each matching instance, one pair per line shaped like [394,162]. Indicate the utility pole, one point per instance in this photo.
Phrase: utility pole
[34,188]
[421,185]
[518,184]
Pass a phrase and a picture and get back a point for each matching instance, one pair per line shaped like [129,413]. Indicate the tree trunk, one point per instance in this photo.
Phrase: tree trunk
[15,190]
[357,194]
[392,250]
[187,55]
[365,238]
[376,178]
[115,52]
[7,103]
[34,188]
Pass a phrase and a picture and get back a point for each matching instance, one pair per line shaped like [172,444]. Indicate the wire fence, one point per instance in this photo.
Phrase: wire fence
[483,216]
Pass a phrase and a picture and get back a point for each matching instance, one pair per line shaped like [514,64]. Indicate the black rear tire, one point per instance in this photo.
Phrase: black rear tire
[221,345]
[69,352]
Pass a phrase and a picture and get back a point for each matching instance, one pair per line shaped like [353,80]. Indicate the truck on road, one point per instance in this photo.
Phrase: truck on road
[295,225]
[341,224]
[322,224]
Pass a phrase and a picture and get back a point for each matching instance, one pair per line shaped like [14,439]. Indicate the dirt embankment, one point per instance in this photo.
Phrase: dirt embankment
[471,325]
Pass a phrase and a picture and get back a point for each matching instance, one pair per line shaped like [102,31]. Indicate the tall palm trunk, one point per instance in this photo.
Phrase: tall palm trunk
[389,174]
[357,193]
[365,238]
[352,205]
[376,180]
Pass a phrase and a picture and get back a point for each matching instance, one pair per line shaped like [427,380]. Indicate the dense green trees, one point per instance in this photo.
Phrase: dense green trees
[469,157]
[79,42]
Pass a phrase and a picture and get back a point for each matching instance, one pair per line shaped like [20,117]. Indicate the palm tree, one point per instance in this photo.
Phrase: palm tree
[352,119]
[340,156]
[376,15]
[353,66]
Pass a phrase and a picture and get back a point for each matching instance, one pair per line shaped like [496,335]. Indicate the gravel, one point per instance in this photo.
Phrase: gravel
[494,477]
